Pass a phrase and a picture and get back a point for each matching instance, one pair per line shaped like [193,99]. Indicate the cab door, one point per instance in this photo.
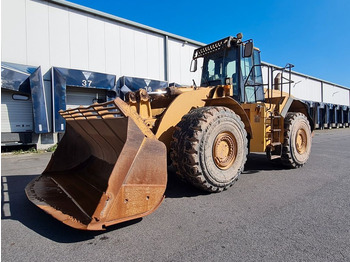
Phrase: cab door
[251,77]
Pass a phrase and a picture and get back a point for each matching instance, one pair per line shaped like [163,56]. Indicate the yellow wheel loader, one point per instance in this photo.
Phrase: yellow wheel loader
[111,164]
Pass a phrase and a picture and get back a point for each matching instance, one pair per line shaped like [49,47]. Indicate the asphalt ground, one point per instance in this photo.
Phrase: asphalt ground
[270,214]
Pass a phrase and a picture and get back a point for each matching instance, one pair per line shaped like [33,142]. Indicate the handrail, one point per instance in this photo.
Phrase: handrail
[270,76]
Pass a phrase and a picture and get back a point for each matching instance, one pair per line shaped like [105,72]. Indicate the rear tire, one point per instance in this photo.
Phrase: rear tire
[297,140]
[210,148]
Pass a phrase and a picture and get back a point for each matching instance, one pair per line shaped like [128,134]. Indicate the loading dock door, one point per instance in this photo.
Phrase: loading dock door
[72,88]
[21,81]
[84,96]
[16,112]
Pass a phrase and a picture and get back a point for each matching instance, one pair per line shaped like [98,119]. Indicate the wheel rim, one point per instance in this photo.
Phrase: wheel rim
[301,141]
[224,150]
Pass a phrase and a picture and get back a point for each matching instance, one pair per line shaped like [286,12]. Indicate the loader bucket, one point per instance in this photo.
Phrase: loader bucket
[108,168]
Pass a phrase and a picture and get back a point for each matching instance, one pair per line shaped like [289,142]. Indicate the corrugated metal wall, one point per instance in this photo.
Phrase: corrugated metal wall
[335,95]
[180,56]
[42,33]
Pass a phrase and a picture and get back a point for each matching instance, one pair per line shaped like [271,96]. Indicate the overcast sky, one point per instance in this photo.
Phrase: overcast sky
[311,34]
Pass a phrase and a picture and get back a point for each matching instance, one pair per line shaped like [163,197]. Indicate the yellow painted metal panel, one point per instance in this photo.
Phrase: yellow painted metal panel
[181,105]
[257,118]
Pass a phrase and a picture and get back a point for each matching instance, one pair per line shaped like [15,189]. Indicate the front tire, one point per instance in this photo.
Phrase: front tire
[210,148]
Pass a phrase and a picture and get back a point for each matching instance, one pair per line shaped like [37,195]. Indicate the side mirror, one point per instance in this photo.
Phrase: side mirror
[248,49]
[193,67]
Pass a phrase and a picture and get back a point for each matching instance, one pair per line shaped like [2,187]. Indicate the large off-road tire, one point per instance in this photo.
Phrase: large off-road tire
[297,140]
[210,148]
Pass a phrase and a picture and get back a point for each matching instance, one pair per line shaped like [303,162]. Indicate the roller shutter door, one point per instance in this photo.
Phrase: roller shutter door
[16,115]
[84,96]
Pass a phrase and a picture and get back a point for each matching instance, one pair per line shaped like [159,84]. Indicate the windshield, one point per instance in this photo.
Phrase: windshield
[218,66]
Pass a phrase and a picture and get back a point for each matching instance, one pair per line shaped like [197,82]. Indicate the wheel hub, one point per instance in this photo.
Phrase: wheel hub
[224,150]
[301,141]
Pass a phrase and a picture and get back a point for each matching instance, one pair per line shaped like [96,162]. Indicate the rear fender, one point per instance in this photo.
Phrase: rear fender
[296,105]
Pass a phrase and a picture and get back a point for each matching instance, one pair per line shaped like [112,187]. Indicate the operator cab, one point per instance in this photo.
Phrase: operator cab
[230,58]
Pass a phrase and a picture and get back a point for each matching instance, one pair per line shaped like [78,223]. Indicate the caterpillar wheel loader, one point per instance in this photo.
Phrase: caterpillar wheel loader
[111,164]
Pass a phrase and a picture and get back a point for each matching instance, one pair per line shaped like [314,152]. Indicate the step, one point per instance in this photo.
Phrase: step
[272,157]
[274,116]
[275,144]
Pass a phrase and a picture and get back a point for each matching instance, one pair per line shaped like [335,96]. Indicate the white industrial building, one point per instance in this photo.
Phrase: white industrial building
[56,54]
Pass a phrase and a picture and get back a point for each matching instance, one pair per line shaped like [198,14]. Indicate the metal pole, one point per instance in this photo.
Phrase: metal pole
[166,58]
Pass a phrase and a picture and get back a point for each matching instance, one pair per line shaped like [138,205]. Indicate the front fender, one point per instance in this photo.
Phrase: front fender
[181,105]
[234,106]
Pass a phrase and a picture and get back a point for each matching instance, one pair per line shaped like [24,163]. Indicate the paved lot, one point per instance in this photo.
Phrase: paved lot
[270,214]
